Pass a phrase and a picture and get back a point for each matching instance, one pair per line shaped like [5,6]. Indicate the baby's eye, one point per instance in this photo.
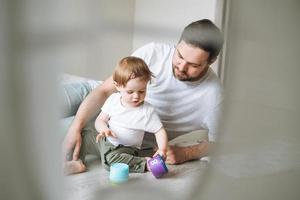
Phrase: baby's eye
[141,92]
[129,92]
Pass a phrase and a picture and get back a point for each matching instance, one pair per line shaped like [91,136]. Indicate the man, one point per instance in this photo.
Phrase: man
[185,92]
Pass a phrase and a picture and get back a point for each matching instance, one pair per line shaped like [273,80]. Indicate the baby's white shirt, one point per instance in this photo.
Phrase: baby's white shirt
[130,123]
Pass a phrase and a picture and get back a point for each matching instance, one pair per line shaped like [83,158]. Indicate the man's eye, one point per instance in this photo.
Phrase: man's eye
[196,66]
[179,55]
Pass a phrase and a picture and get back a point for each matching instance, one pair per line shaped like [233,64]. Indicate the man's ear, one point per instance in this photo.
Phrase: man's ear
[211,61]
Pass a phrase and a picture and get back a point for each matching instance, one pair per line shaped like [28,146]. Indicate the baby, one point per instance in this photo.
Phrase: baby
[124,119]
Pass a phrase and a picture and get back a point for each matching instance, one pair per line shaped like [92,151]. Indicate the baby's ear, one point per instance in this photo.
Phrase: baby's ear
[117,85]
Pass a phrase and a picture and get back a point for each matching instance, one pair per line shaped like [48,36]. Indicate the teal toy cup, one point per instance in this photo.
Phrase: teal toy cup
[119,173]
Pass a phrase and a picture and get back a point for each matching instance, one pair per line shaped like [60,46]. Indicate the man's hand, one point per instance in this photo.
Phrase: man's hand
[176,155]
[72,144]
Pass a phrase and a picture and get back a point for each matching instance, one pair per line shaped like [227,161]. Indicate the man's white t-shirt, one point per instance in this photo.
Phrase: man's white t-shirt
[181,105]
[130,123]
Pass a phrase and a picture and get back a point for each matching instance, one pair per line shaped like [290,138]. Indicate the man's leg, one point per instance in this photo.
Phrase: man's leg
[89,145]
[72,94]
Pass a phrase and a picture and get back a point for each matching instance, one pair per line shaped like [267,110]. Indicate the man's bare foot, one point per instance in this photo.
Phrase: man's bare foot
[74,167]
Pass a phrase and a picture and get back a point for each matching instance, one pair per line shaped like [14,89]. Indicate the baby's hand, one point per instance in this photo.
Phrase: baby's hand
[105,133]
[162,153]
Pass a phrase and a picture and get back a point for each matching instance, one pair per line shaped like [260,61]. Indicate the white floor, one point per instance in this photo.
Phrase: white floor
[179,183]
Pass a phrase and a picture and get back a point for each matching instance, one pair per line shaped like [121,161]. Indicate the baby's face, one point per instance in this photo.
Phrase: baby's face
[133,94]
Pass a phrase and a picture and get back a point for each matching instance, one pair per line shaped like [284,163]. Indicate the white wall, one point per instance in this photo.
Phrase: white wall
[94,35]
[163,21]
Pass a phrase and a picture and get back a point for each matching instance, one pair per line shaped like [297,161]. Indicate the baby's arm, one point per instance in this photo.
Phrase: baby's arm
[162,142]
[102,127]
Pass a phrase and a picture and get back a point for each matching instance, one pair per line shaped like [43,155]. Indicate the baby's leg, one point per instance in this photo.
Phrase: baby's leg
[148,168]
[74,167]
[127,155]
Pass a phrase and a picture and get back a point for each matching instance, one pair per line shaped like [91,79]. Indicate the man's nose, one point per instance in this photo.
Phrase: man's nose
[182,66]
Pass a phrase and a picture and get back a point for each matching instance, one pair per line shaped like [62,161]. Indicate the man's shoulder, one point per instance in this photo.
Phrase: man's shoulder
[213,79]
[215,86]
[161,46]
[157,47]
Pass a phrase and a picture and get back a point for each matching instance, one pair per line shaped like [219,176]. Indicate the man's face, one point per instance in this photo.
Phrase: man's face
[189,63]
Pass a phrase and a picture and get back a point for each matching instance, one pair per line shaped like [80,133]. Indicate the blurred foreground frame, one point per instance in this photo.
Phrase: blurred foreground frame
[258,154]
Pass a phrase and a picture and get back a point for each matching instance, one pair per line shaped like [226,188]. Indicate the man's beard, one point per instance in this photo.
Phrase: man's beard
[187,78]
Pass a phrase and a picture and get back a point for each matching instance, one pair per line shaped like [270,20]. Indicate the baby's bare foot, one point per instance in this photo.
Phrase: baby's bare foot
[147,166]
[74,167]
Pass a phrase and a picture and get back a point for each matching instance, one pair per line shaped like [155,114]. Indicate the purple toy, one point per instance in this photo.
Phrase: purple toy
[157,166]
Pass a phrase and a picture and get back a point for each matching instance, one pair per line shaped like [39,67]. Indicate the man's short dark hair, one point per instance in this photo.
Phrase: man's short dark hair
[205,35]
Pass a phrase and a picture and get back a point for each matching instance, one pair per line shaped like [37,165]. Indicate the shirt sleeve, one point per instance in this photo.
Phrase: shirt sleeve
[212,122]
[215,110]
[106,108]
[145,52]
[153,123]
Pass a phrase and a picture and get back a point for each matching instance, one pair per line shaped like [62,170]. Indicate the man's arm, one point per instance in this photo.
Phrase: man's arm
[90,106]
[178,155]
